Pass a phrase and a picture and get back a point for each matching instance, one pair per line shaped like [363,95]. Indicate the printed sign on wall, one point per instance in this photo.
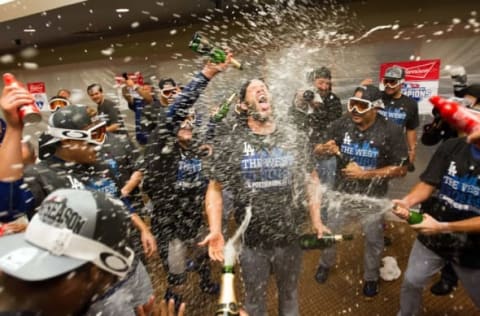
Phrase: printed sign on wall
[421,80]
[37,89]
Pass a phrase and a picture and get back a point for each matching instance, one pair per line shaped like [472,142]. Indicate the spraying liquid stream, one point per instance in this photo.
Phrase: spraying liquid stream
[232,248]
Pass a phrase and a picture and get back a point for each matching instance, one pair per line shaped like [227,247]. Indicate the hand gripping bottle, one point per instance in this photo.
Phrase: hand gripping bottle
[414,217]
[29,113]
[200,44]
[456,115]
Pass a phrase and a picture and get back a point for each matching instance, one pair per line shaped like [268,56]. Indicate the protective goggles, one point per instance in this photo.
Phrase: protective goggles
[58,103]
[95,134]
[167,93]
[392,83]
[63,242]
[359,105]
[188,122]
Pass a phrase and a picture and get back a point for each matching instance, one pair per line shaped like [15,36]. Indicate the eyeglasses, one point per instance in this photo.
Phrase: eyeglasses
[58,103]
[392,83]
[95,134]
[360,105]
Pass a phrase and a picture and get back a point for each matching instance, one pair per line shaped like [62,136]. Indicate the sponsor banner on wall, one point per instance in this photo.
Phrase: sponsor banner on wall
[37,89]
[421,80]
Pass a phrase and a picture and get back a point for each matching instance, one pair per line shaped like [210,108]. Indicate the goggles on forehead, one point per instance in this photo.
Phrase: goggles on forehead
[96,134]
[64,242]
[58,103]
[360,105]
[392,83]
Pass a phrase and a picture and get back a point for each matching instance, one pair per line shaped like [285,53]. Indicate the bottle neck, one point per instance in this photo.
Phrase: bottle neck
[228,269]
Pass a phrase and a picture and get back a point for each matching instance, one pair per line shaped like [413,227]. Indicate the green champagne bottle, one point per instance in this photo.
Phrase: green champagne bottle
[311,241]
[200,44]
[414,217]
[224,108]
[227,303]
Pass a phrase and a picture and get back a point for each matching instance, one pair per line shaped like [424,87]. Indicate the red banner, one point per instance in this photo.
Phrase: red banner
[36,87]
[422,70]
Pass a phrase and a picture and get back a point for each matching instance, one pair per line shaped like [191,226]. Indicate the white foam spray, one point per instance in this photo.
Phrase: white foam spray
[232,248]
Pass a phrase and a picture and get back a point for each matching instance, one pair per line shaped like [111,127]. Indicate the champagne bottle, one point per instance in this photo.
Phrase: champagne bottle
[224,108]
[414,217]
[311,241]
[200,44]
[342,160]
[227,303]
[29,113]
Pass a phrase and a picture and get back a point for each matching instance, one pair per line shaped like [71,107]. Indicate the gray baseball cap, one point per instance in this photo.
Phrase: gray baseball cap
[69,229]
[394,72]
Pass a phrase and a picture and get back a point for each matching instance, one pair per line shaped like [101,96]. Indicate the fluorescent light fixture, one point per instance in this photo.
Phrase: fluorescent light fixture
[29,30]
[5,1]
[120,10]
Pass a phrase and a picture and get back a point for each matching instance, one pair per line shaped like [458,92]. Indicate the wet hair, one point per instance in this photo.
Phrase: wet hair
[61,90]
[322,72]
[166,81]
[243,88]
[94,85]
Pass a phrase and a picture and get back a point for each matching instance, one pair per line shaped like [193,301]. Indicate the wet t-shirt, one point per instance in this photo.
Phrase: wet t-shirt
[382,144]
[455,172]
[52,173]
[174,180]
[267,172]
[402,111]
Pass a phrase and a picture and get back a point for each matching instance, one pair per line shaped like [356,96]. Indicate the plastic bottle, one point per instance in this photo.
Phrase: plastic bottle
[200,44]
[227,303]
[311,241]
[29,113]
[456,115]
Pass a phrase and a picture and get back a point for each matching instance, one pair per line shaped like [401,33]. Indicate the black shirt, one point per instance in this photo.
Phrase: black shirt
[402,111]
[455,173]
[268,173]
[382,144]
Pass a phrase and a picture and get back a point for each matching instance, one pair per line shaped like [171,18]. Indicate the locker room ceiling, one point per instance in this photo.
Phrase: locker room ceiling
[63,22]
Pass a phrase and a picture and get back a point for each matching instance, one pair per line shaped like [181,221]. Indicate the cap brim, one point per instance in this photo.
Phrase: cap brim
[22,260]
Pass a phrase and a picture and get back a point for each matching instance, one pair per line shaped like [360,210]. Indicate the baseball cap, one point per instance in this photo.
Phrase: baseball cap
[473,90]
[70,229]
[394,72]
[372,94]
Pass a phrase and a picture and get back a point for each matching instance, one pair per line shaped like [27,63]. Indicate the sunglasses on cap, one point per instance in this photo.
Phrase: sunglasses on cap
[360,105]
[392,83]
[58,103]
[95,133]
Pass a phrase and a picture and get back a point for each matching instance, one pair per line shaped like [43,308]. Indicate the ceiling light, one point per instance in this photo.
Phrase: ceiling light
[29,30]
[5,1]
[120,10]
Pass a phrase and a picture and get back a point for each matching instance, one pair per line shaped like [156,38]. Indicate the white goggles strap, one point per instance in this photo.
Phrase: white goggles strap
[63,242]
[76,134]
